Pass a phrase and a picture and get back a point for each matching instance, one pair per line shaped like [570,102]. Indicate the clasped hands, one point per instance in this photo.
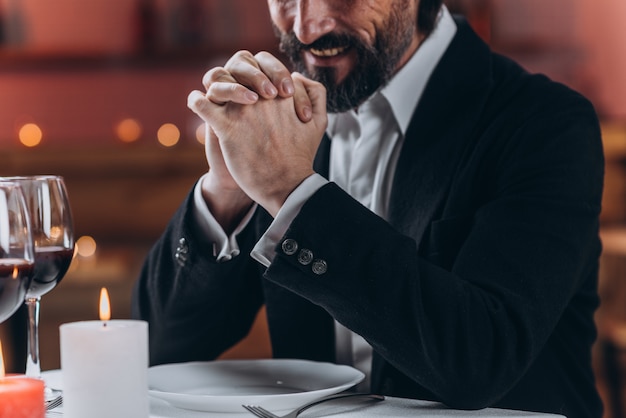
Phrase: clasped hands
[264,125]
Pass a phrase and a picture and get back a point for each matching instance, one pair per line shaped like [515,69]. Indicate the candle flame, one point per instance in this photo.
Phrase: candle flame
[105,305]
[16,272]
[1,362]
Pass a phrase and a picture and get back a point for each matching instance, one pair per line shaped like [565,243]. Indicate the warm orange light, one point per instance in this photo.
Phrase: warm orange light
[2,373]
[16,272]
[30,135]
[128,130]
[201,134]
[86,246]
[105,305]
[168,134]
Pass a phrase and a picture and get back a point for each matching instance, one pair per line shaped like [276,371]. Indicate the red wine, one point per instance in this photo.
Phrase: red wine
[15,276]
[51,264]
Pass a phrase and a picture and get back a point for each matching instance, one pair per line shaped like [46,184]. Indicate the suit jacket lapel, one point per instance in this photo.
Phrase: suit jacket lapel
[438,135]
[440,132]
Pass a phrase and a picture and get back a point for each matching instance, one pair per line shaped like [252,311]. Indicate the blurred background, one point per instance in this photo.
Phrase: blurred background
[96,91]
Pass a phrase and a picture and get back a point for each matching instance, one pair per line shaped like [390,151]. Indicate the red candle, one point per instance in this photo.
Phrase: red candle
[20,397]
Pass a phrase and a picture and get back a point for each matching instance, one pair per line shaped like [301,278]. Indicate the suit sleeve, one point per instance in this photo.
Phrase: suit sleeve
[196,307]
[466,310]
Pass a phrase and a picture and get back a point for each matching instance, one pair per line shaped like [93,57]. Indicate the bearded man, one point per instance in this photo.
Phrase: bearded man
[407,202]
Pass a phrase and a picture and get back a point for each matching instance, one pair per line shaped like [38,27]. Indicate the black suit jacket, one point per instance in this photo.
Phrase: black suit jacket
[480,289]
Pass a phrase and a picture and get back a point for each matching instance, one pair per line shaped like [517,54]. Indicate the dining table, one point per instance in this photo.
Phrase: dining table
[341,408]
[390,407]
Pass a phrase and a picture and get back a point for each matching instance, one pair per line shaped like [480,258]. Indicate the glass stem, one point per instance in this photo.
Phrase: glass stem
[33,368]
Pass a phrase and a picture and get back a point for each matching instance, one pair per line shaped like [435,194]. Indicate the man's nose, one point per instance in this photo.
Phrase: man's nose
[314,19]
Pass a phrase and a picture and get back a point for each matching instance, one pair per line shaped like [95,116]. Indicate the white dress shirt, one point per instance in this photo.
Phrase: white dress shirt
[365,146]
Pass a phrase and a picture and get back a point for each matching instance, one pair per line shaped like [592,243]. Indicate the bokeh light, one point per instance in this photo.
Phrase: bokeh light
[168,134]
[86,246]
[128,130]
[30,135]
[55,232]
[201,133]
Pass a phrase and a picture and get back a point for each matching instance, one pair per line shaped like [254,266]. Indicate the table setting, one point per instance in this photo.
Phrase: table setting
[104,363]
[196,392]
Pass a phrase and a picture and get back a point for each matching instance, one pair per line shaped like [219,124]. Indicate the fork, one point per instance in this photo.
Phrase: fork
[264,413]
[58,401]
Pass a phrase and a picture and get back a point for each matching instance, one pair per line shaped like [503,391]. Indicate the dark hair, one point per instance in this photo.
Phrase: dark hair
[427,15]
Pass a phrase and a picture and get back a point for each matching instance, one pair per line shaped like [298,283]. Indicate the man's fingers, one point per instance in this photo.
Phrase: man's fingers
[276,71]
[244,69]
[262,73]
[302,102]
[222,88]
[198,102]
[222,93]
[316,94]
[245,77]
[216,75]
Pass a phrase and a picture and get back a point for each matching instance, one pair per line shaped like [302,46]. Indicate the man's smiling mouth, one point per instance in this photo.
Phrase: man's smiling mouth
[328,52]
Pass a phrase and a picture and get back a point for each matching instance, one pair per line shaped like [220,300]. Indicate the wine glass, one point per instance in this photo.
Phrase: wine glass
[53,240]
[17,255]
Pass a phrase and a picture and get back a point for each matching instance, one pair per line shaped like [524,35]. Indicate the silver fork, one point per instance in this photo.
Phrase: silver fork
[264,413]
[58,401]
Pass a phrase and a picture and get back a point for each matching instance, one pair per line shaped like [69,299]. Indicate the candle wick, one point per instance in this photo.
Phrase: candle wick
[104,324]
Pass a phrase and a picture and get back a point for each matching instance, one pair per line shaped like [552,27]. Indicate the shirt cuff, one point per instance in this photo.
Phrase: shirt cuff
[225,247]
[263,251]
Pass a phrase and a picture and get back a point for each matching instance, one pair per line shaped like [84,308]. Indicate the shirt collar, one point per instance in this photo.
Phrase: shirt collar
[415,72]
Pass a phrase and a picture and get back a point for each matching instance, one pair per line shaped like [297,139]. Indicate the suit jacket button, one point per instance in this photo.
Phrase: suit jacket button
[289,246]
[305,257]
[319,267]
[181,251]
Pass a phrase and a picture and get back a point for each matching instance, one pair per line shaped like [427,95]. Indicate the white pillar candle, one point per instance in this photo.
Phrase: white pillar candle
[105,369]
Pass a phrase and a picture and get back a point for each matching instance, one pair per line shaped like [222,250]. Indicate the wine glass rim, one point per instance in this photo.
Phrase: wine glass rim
[38,177]
[34,176]
[11,183]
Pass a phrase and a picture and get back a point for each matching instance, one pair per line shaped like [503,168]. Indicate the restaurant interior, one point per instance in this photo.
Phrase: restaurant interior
[96,91]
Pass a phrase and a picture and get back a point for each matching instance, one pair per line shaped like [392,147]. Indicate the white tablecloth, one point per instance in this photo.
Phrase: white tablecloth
[390,407]
[348,408]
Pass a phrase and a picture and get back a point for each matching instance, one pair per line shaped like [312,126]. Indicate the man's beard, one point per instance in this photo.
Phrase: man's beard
[375,64]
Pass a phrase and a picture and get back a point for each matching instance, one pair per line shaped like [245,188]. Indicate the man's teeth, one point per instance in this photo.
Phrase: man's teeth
[330,52]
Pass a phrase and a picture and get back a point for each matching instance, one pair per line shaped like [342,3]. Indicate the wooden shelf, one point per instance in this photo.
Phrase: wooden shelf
[19,61]
[118,193]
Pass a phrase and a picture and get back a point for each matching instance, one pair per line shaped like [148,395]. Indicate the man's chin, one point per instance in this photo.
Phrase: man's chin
[339,66]
[325,75]
[344,91]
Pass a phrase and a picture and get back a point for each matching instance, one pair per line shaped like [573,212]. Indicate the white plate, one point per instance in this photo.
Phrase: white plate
[224,385]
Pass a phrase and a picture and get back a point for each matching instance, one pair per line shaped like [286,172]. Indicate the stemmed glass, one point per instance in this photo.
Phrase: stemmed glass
[53,239]
[17,255]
